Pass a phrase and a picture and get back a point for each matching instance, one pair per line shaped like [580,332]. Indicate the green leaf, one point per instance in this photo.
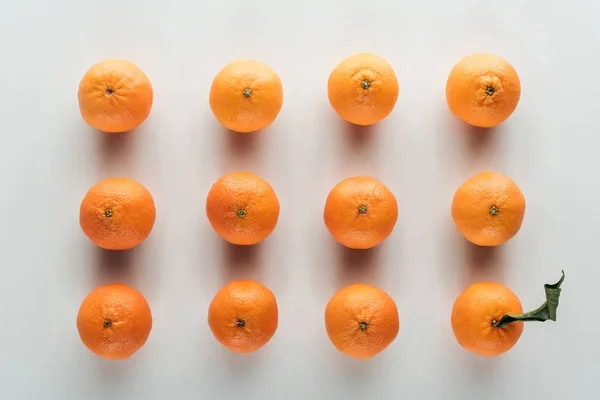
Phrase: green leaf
[545,312]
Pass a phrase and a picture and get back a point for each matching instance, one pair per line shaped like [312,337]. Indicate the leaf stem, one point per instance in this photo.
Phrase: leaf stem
[545,312]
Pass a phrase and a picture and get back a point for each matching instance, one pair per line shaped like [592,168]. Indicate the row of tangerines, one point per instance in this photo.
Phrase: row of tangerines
[245,96]
[360,212]
[114,321]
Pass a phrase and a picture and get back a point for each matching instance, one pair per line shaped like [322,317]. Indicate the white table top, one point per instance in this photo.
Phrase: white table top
[50,158]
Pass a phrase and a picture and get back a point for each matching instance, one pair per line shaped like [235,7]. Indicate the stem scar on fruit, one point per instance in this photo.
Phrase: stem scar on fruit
[107,323]
[545,312]
[247,92]
[362,209]
[490,90]
[494,210]
[242,213]
[363,326]
[108,213]
[365,84]
[241,323]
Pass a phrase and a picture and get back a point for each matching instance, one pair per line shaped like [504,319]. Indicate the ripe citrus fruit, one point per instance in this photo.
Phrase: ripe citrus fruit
[243,316]
[114,321]
[487,318]
[246,96]
[363,89]
[360,212]
[474,313]
[117,214]
[488,209]
[483,90]
[361,320]
[115,96]
[242,208]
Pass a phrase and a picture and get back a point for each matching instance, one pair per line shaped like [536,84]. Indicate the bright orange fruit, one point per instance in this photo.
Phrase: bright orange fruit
[361,320]
[488,209]
[487,318]
[114,321]
[483,90]
[242,208]
[477,310]
[243,316]
[363,89]
[360,212]
[117,213]
[115,96]
[246,96]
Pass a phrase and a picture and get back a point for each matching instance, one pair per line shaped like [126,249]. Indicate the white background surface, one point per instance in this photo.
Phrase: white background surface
[50,158]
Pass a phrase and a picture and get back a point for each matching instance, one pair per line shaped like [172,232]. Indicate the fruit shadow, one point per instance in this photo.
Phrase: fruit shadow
[115,266]
[114,374]
[241,262]
[358,266]
[484,264]
[485,370]
[242,366]
[358,137]
[116,148]
[479,144]
[357,148]
[356,372]
[241,150]
[478,140]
